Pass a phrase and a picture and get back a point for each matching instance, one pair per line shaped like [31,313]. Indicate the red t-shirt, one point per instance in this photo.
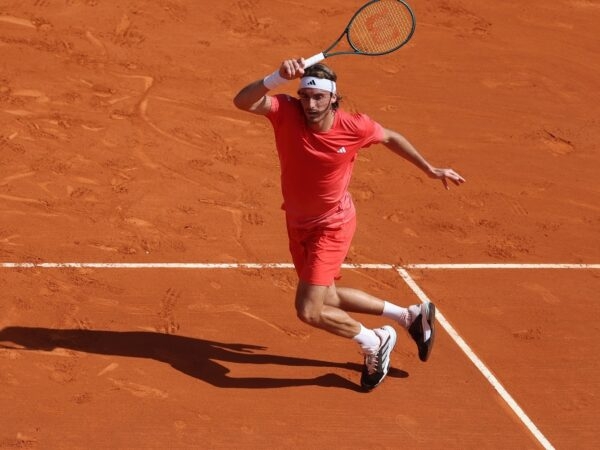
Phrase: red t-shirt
[316,166]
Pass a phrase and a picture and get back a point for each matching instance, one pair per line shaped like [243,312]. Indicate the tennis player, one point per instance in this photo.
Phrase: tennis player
[317,144]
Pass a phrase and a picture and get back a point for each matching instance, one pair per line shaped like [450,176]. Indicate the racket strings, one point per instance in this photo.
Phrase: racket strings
[381,27]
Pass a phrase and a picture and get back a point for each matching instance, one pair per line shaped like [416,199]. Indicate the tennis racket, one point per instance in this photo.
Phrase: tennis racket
[379,27]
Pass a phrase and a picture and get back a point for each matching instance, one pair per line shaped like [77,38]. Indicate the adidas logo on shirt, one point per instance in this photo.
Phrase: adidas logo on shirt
[342,150]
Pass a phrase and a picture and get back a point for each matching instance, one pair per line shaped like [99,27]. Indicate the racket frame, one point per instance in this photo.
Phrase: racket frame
[325,53]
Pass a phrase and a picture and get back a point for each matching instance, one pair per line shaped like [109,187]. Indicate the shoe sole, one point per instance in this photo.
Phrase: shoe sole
[425,350]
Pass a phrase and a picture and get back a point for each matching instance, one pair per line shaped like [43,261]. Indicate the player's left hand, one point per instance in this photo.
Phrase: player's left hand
[447,174]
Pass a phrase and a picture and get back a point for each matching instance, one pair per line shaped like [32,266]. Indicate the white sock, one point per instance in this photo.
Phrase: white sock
[367,339]
[404,316]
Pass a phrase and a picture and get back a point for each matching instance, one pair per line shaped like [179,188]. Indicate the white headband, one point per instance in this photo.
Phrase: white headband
[318,83]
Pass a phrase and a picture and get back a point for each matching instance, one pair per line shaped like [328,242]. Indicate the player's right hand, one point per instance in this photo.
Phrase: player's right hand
[292,68]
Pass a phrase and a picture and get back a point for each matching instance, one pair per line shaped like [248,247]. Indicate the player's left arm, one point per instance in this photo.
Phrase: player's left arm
[402,147]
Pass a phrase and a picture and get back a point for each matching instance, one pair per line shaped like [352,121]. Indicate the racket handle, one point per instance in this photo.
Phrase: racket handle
[313,60]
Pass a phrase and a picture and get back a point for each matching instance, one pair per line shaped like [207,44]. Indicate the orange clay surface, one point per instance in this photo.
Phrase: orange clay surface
[119,143]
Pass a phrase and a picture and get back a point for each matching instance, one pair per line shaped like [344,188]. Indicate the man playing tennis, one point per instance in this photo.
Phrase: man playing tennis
[317,144]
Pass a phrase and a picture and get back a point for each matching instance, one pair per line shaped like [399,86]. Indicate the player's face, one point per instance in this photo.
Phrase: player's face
[316,103]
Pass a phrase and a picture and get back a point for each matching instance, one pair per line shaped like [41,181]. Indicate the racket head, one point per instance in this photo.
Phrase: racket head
[380,27]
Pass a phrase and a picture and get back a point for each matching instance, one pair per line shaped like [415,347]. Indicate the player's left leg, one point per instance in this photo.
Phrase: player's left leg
[311,309]
[376,344]
[418,320]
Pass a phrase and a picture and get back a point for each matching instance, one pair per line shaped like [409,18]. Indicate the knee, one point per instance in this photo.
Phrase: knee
[310,300]
[309,315]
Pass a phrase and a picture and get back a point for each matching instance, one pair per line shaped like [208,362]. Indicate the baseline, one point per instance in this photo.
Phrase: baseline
[167,265]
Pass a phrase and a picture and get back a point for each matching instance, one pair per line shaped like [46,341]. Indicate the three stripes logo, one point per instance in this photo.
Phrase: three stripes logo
[342,150]
[311,83]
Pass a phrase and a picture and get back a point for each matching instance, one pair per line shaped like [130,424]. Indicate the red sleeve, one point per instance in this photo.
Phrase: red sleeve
[278,105]
[371,131]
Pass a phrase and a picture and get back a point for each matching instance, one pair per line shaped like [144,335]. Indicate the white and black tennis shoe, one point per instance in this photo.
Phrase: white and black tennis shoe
[377,363]
[422,330]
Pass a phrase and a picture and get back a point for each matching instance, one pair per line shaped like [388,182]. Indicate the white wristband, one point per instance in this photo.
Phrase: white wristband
[274,80]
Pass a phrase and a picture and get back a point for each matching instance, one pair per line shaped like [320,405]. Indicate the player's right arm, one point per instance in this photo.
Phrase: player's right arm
[253,98]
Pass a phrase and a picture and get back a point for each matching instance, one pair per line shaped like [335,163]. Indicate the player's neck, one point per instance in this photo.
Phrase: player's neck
[324,124]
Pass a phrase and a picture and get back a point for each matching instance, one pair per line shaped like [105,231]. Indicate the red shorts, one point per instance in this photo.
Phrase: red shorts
[318,253]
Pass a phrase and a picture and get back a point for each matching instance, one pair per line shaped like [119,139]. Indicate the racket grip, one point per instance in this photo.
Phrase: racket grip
[313,60]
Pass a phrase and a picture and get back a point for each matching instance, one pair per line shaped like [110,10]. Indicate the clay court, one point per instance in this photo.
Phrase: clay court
[147,292]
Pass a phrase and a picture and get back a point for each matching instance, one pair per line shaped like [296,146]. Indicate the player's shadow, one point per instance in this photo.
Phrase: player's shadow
[198,358]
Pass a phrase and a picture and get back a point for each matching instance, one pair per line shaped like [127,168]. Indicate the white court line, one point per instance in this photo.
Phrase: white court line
[459,266]
[98,265]
[478,363]
[501,266]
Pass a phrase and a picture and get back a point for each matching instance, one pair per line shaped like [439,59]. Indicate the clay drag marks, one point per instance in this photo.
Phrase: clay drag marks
[93,118]
[118,142]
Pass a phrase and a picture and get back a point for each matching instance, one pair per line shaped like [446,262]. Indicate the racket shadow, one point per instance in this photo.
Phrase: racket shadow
[198,358]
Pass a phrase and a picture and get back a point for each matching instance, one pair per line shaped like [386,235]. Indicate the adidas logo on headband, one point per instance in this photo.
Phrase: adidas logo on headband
[318,83]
